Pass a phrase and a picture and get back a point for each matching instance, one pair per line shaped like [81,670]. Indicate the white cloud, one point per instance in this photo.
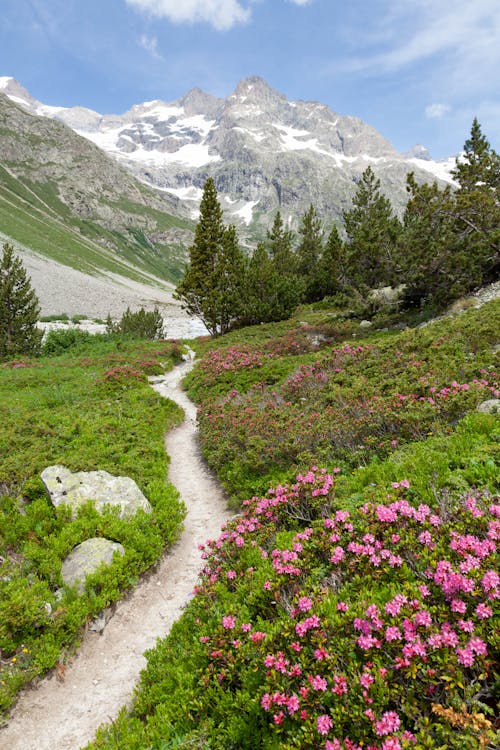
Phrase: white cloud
[150,44]
[221,14]
[462,38]
[436,111]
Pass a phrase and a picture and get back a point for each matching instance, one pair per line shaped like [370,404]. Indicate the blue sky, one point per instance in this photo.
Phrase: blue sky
[417,70]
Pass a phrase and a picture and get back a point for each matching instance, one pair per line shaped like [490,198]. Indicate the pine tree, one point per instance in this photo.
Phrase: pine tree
[269,294]
[331,268]
[431,266]
[477,208]
[280,247]
[211,287]
[231,270]
[372,230]
[479,166]
[19,308]
[308,254]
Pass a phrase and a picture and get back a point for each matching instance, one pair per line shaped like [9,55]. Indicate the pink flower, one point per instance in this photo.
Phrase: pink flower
[334,745]
[338,555]
[266,702]
[342,607]
[466,625]
[231,574]
[388,723]
[257,636]
[320,654]
[293,704]
[483,611]
[278,718]
[391,743]
[394,607]
[324,724]
[366,680]
[318,683]
[228,622]
[423,618]
[465,656]
[340,687]
[478,646]
[490,580]
[304,604]
[457,605]
[392,634]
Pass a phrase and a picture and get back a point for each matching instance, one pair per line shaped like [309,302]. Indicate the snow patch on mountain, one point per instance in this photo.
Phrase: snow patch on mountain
[440,169]
[246,212]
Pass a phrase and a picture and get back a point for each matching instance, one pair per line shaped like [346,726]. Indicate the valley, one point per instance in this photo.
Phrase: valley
[307,402]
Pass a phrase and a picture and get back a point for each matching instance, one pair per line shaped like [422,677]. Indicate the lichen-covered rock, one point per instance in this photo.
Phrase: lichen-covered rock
[492,406]
[102,488]
[86,558]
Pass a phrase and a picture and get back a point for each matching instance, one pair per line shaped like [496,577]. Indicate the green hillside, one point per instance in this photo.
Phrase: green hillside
[351,605]
[64,198]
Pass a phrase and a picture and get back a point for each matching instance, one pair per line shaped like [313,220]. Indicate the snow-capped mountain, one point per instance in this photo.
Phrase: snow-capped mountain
[264,151]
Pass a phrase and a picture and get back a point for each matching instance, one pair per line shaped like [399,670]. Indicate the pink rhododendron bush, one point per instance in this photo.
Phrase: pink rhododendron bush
[371,629]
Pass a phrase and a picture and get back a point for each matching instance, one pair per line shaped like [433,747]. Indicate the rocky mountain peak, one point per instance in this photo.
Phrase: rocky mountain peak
[198,102]
[256,88]
[264,151]
[418,152]
[16,92]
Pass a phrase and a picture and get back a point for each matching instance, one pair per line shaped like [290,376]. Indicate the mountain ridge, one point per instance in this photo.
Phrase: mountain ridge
[263,151]
[63,197]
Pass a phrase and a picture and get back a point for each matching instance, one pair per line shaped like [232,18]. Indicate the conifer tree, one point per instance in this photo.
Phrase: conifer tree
[19,308]
[308,254]
[431,266]
[479,166]
[372,230]
[211,287]
[280,247]
[477,206]
[331,273]
[269,294]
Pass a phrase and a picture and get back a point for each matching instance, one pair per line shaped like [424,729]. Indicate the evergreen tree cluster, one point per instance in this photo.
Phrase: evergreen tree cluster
[445,245]
[19,309]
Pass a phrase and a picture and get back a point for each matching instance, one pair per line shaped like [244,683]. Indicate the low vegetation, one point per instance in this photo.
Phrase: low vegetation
[352,605]
[446,244]
[87,406]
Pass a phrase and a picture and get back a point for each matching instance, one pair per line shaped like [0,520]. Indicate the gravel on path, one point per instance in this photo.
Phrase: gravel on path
[99,680]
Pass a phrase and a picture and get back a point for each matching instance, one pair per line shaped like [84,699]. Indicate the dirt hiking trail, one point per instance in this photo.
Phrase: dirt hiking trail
[63,714]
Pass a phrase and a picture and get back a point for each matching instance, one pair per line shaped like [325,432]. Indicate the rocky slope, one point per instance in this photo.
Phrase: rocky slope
[264,151]
[63,197]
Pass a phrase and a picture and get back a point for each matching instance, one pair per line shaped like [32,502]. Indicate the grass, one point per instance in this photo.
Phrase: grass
[272,403]
[32,214]
[273,400]
[90,408]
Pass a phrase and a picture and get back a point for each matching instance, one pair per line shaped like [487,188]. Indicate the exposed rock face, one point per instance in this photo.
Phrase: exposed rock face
[86,558]
[88,204]
[492,406]
[263,151]
[102,488]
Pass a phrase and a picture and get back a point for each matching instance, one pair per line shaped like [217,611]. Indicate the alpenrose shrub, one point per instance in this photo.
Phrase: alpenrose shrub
[371,629]
[351,404]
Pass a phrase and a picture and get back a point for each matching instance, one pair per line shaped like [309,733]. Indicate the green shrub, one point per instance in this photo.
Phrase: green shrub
[141,324]
[59,341]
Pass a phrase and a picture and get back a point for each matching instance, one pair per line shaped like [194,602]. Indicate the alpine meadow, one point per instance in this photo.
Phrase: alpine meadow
[249,380]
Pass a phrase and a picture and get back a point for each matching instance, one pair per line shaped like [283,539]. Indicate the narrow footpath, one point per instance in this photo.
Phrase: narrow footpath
[63,714]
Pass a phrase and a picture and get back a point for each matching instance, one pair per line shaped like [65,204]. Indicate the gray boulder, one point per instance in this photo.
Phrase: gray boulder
[492,406]
[86,558]
[102,488]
